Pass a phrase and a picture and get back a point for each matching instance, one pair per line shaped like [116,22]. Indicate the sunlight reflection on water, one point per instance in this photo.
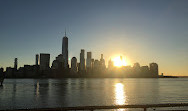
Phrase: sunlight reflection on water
[120,96]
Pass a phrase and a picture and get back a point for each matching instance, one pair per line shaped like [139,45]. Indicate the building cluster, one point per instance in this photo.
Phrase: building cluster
[150,71]
[87,67]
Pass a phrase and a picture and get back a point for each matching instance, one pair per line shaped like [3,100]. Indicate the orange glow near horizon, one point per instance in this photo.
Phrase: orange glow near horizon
[119,61]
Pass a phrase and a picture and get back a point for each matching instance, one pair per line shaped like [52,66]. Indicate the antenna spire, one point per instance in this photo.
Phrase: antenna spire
[65,32]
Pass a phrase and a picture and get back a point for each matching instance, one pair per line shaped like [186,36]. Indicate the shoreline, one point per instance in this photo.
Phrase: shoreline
[99,77]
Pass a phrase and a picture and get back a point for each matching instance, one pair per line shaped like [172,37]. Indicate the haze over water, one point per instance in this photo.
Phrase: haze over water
[52,93]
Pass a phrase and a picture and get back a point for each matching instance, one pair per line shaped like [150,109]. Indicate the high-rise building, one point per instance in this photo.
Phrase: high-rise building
[60,58]
[88,61]
[37,59]
[154,69]
[136,66]
[65,50]
[145,71]
[44,61]
[78,65]
[97,66]
[55,65]
[110,64]
[58,63]
[137,69]
[74,67]
[82,60]
[92,64]
[102,62]
[15,63]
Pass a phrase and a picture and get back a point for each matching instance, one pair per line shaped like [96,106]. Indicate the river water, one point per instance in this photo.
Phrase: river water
[52,93]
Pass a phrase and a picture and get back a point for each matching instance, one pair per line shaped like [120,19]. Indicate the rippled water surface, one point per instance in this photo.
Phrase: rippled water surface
[51,93]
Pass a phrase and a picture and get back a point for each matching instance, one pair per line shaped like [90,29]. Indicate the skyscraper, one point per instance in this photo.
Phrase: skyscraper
[37,59]
[82,60]
[15,63]
[136,66]
[110,65]
[58,63]
[74,67]
[44,61]
[102,62]
[65,50]
[154,69]
[92,64]
[88,62]
[97,66]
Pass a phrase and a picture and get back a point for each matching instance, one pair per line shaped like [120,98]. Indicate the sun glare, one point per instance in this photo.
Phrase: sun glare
[119,61]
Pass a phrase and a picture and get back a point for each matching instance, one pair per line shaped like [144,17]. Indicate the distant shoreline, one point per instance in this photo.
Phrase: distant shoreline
[102,77]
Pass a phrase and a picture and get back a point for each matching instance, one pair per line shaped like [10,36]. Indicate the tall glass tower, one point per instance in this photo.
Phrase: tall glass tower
[65,50]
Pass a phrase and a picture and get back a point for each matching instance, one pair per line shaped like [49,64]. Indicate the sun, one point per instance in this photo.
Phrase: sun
[119,61]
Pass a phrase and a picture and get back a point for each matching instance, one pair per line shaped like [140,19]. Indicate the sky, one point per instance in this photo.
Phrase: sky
[143,31]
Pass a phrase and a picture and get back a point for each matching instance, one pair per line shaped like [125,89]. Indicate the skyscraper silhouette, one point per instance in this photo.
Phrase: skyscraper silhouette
[65,50]
[88,62]
[58,63]
[44,61]
[102,62]
[110,64]
[154,69]
[82,60]
[15,63]
[37,59]
[74,67]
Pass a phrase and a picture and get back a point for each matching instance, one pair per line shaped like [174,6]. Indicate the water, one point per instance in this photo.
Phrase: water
[51,93]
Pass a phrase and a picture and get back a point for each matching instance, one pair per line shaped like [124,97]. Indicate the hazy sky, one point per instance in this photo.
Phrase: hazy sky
[144,31]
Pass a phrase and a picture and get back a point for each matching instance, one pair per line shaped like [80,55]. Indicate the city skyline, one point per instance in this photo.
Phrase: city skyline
[152,38]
